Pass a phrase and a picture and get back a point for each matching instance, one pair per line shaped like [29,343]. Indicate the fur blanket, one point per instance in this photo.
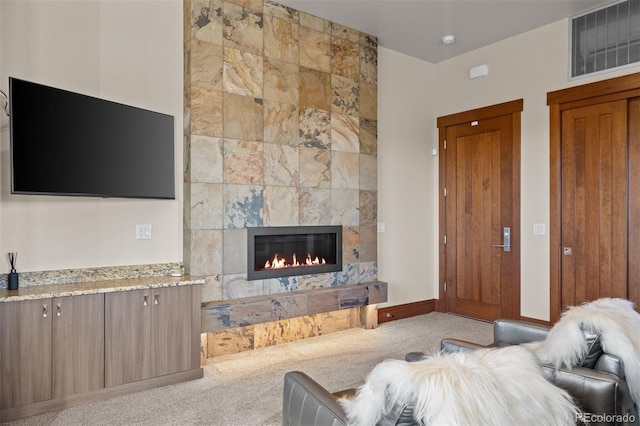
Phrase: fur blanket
[489,387]
[618,325]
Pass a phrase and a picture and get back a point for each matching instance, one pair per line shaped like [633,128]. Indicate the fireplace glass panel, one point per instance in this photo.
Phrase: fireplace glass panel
[285,251]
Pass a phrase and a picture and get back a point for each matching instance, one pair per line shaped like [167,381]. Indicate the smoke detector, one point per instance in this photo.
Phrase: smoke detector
[448,39]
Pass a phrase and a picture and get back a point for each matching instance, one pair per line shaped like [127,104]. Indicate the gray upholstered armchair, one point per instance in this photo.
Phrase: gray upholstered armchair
[597,382]
[307,403]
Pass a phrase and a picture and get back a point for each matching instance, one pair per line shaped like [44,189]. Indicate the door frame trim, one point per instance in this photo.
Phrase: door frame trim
[624,87]
[513,108]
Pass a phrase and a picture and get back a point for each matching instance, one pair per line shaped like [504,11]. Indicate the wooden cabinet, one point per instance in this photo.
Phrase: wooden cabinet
[56,352]
[25,352]
[51,348]
[148,333]
[77,345]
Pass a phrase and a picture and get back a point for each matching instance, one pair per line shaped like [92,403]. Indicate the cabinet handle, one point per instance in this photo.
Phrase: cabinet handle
[145,302]
[156,300]
[58,310]
[45,310]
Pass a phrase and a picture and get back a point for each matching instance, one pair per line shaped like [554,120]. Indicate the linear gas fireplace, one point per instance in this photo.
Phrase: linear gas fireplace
[283,251]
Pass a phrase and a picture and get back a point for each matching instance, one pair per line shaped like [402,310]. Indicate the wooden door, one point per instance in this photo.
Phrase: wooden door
[171,335]
[127,337]
[595,203]
[78,344]
[25,352]
[479,211]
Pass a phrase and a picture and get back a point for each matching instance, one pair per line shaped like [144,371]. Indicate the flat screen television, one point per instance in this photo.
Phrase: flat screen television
[66,143]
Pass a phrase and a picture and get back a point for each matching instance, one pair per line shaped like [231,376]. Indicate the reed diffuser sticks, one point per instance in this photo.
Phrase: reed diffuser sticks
[13,275]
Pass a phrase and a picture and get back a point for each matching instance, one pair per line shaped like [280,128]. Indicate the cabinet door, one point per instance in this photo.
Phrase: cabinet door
[78,344]
[127,337]
[171,332]
[25,352]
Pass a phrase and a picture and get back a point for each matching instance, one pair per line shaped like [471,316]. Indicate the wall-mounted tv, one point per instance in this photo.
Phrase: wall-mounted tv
[65,143]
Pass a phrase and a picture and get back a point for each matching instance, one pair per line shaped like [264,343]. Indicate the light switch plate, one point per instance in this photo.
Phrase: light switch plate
[539,229]
[143,232]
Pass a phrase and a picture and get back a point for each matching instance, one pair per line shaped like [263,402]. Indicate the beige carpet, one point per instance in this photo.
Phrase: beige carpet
[246,389]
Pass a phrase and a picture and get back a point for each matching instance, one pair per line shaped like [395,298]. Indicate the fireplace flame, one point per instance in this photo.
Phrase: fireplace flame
[280,262]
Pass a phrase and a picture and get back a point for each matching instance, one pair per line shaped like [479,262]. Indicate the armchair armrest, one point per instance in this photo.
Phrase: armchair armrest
[512,332]
[305,402]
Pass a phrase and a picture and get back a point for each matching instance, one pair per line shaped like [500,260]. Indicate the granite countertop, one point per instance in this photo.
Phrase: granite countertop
[94,287]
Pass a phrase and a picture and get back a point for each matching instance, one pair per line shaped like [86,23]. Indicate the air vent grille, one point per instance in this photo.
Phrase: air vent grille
[605,38]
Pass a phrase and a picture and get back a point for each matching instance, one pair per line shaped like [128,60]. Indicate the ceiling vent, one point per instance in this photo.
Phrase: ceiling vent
[605,38]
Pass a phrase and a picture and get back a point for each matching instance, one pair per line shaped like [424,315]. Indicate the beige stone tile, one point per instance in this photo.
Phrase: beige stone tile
[206,65]
[315,49]
[315,23]
[369,64]
[345,58]
[281,82]
[368,100]
[350,244]
[206,20]
[368,136]
[211,290]
[280,165]
[206,159]
[344,132]
[243,206]
[206,112]
[335,321]
[281,206]
[269,334]
[368,172]
[255,5]
[235,249]
[368,208]
[242,28]
[345,170]
[281,123]
[369,41]
[341,31]
[278,10]
[345,94]
[243,162]
[206,206]
[304,327]
[243,73]
[315,167]
[344,207]
[243,117]
[313,206]
[368,243]
[281,39]
[315,128]
[236,286]
[315,89]
[206,252]
[231,341]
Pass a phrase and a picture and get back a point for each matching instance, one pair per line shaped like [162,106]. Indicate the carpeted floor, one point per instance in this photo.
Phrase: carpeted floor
[246,389]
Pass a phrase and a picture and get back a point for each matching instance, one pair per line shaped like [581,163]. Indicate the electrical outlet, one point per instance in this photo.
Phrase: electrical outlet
[143,232]
[539,229]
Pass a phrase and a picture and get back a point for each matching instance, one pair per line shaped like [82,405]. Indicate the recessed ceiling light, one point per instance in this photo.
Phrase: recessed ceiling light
[448,39]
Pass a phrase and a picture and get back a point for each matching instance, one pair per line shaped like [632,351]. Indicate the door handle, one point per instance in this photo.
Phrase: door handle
[506,239]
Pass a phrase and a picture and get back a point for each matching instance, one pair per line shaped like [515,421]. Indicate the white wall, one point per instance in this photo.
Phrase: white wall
[125,51]
[526,66]
[407,177]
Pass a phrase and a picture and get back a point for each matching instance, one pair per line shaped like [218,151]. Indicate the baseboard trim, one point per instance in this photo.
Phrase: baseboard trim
[407,310]
[535,321]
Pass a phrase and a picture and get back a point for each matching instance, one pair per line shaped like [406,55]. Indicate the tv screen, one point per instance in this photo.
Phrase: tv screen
[65,143]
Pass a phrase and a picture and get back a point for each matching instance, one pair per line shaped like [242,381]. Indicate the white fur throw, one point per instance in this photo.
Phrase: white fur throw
[618,325]
[489,387]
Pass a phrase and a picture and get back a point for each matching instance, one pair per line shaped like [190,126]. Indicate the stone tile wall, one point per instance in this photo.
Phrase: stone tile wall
[280,130]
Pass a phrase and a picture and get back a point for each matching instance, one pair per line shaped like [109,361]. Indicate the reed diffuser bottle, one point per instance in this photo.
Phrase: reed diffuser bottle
[13,275]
